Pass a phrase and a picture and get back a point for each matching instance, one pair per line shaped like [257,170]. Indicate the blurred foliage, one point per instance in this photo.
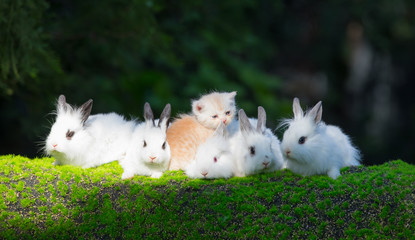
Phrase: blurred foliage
[123,53]
[25,57]
[137,51]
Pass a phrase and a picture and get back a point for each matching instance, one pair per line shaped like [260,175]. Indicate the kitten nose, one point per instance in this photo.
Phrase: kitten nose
[224,121]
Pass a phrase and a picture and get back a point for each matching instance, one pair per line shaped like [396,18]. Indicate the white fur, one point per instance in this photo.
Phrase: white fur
[149,159]
[216,147]
[326,148]
[265,143]
[101,139]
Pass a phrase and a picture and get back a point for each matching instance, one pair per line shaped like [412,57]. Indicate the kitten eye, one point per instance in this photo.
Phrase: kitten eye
[215,159]
[215,116]
[228,113]
[164,145]
[69,134]
[302,140]
[252,150]
[145,143]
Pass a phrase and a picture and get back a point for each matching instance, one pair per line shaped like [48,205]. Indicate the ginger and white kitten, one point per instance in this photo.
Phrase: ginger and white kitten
[188,131]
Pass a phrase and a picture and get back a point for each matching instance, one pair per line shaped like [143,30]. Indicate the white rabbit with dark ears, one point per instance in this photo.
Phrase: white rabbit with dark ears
[78,139]
[148,153]
[213,157]
[257,149]
[312,147]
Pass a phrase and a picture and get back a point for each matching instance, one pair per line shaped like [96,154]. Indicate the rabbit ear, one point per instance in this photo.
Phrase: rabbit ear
[86,111]
[62,103]
[221,130]
[298,111]
[262,119]
[244,124]
[164,117]
[62,100]
[148,114]
[316,112]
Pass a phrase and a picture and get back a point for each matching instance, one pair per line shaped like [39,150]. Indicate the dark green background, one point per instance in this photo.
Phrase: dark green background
[122,53]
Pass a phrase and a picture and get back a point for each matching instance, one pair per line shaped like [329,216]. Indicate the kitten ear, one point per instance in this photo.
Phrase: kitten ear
[298,111]
[232,94]
[316,112]
[221,131]
[244,124]
[148,115]
[86,111]
[197,106]
[262,119]
[164,117]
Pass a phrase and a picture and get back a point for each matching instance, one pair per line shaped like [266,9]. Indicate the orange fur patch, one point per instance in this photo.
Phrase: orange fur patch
[184,136]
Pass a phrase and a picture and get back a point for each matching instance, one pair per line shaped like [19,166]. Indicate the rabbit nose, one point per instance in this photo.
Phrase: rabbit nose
[204,174]
[152,158]
[265,164]
[54,145]
[288,152]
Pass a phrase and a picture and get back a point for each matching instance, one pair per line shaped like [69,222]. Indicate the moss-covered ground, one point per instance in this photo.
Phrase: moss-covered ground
[39,200]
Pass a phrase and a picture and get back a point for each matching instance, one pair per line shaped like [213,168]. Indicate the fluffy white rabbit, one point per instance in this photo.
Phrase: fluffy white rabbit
[78,139]
[312,147]
[148,153]
[255,150]
[213,157]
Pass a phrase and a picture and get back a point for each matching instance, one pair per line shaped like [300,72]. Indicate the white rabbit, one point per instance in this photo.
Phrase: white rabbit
[255,150]
[78,139]
[312,147]
[148,153]
[213,157]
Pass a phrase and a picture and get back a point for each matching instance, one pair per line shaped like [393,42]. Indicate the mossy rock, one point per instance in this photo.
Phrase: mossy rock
[39,200]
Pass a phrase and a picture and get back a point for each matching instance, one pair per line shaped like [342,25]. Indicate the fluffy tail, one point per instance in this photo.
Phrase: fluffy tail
[354,157]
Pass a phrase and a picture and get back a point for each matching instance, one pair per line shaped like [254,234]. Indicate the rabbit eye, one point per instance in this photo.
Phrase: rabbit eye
[228,113]
[164,145]
[145,143]
[252,150]
[215,116]
[302,140]
[69,134]
[215,159]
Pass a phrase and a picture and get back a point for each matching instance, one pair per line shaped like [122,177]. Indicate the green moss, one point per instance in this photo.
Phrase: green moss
[39,200]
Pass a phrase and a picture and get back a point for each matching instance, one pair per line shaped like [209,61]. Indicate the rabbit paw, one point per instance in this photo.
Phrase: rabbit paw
[333,173]
[126,175]
[156,174]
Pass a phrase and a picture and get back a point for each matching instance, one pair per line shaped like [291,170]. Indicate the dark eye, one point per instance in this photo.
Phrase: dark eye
[228,113]
[164,145]
[69,134]
[302,140]
[252,150]
[145,143]
[215,116]
[215,159]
